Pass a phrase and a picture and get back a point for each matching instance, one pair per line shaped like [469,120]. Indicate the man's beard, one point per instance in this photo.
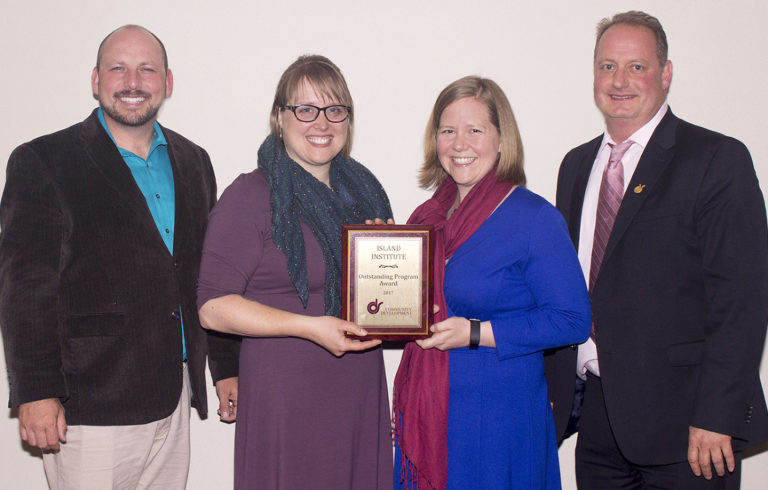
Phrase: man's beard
[131,118]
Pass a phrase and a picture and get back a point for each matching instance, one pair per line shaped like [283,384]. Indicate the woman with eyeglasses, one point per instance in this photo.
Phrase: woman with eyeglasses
[312,408]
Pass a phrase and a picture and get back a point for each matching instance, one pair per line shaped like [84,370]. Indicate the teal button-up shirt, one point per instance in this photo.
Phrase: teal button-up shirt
[154,177]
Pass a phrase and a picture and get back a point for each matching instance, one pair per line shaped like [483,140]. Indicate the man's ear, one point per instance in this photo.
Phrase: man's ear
[95,82]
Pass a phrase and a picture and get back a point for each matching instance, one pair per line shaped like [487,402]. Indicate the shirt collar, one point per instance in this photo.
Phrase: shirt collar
[158,139]
[642,135]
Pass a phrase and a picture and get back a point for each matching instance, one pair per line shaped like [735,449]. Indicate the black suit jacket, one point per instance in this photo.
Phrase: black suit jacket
[680,307]
[89,293]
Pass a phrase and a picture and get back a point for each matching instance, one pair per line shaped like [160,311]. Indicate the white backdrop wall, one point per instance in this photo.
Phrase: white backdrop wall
[397,55]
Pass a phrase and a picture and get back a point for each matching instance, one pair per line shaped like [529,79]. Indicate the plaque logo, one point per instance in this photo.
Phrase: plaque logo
[373,306]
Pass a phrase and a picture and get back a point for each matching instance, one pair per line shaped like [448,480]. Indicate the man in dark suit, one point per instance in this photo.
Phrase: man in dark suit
[670,227]
[102,230]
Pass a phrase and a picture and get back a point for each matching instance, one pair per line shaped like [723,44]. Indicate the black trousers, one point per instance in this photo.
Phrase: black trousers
[601,465]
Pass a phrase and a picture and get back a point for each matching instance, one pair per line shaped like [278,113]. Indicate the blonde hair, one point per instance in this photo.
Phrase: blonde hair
[510,164]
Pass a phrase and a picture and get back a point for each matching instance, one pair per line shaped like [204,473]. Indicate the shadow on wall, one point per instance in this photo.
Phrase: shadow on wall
[755,450]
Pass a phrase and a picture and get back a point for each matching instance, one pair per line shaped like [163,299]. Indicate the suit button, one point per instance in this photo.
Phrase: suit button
[175,315]
[175,264]
[574,347]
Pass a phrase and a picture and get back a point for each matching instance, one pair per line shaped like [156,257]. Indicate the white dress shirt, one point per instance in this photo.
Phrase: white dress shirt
[587,356]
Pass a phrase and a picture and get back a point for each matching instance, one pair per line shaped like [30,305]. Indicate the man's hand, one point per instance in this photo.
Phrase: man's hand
[42,423]
[707,449]
[226,390]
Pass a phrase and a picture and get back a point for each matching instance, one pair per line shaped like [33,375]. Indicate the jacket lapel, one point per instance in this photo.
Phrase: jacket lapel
[654,160]
[181,186]
[581,178]
[105,159]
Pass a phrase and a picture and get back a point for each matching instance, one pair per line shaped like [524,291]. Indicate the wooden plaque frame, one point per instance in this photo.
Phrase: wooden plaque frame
[379,287]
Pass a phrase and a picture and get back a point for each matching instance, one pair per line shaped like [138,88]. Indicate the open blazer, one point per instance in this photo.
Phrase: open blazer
[681,303]
[89,294]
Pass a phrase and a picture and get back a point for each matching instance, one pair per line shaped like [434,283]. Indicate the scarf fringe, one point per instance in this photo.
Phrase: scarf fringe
[416,482]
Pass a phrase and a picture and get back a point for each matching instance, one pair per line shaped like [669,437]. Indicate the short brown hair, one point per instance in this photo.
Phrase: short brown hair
[639,19]
[325,77]
[510,164]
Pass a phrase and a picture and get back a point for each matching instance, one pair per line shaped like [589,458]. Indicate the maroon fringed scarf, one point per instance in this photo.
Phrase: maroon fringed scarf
[420,403]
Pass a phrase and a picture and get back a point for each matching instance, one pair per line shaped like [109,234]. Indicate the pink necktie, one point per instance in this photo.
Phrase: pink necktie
[608,202]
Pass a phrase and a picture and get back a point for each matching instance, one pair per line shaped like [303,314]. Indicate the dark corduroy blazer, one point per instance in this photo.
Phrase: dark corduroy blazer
[89,294]
[681,303]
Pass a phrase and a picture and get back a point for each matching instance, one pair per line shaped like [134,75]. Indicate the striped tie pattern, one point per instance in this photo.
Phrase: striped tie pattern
[608,202]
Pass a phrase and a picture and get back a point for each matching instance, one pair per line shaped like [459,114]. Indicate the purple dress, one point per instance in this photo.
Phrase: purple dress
[306,419]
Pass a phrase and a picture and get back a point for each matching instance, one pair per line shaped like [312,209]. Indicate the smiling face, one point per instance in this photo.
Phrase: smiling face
[130,81]
[630,84]
[468,143]
[312,144]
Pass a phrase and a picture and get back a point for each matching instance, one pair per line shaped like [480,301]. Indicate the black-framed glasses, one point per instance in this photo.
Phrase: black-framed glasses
[307,113]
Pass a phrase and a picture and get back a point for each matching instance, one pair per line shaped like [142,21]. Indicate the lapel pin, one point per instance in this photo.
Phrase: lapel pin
[639,188]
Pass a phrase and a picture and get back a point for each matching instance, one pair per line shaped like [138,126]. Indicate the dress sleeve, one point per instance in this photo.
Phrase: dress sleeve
[234,238]
[560,313]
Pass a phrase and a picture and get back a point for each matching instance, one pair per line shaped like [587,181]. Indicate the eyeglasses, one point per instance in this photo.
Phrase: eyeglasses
[308,113]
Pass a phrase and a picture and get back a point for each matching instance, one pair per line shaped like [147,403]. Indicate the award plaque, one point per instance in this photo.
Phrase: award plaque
[386,284]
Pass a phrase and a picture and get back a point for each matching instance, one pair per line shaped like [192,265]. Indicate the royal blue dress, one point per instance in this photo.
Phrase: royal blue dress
[520,271]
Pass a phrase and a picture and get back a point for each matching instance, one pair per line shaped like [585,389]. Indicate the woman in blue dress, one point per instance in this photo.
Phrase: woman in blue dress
[471,402]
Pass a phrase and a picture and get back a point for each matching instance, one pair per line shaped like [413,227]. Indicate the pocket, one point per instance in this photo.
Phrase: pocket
[686,353]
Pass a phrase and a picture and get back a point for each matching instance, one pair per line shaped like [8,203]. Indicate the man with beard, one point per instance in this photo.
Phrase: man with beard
[102,228]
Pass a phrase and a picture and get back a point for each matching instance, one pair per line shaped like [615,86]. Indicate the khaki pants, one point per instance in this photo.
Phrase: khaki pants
[148,456]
